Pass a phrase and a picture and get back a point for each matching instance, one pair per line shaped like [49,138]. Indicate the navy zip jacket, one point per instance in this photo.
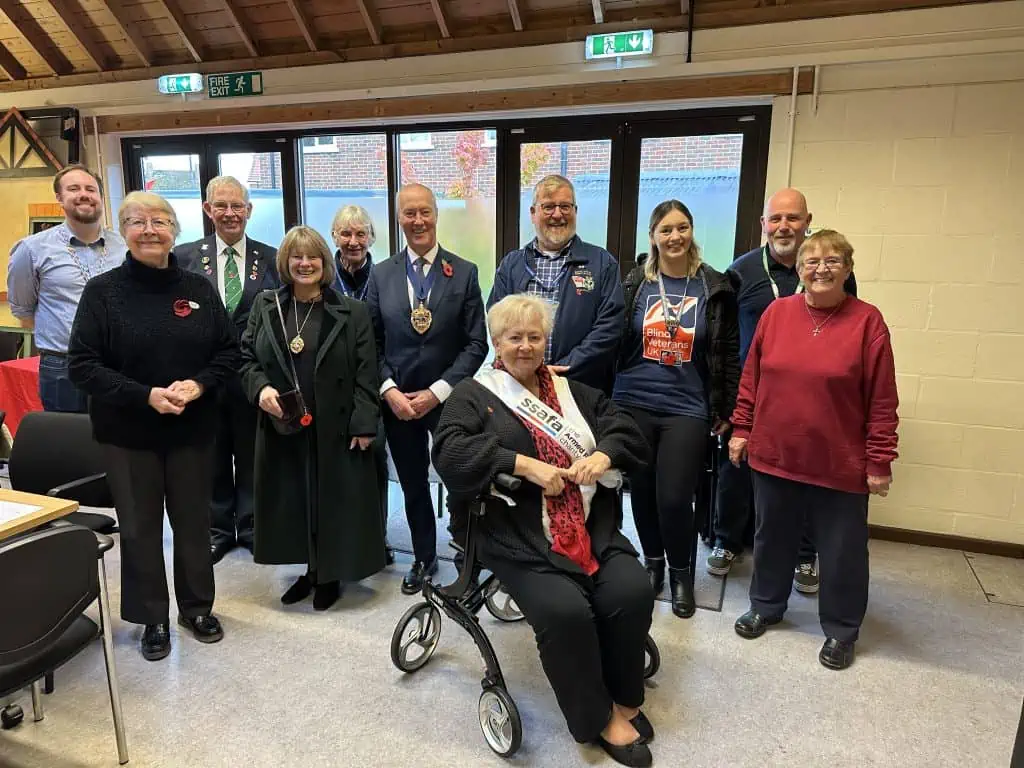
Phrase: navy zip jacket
[591,311]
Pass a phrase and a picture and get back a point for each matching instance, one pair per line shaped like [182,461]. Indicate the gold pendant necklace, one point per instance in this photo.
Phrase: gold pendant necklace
[818,326]
[297,344]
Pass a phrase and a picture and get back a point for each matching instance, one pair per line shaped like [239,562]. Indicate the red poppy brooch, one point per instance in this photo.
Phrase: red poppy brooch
[446,267]
[184,307]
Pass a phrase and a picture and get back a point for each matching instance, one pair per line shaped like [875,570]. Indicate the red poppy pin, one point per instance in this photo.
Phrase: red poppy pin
[306,420]
[446,267]
[182,307]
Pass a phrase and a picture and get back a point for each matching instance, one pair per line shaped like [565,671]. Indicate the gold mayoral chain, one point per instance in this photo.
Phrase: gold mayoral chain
[296,345]
[421,319]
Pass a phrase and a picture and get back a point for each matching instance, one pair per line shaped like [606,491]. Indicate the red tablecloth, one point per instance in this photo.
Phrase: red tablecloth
[19,390]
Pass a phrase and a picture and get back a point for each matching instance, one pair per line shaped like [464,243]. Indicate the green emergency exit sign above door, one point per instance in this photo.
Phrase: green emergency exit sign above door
[638,43]
[234,84]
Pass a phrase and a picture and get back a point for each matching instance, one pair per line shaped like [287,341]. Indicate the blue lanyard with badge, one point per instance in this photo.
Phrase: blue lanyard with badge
[548,285]
[768,273]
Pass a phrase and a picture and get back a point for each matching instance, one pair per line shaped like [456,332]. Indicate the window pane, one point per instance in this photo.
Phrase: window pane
[261,172]
[176,178]
[587,164]
[704,173]
[461,172]
[355,174]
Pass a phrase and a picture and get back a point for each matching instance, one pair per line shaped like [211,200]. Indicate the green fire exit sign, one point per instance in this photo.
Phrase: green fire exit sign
[234,84]
[638,43]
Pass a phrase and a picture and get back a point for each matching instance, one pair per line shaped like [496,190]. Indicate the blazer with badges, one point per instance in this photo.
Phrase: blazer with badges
[259,273]
[455,345]
[588,322]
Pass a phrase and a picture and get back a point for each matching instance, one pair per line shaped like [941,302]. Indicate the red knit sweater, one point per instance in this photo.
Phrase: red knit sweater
[819,409]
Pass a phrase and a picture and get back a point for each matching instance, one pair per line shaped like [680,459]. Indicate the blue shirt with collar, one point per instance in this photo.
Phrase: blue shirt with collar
[47,273]
[590,308]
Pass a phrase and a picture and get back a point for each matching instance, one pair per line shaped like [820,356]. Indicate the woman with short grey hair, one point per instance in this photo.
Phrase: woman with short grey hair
[353,234]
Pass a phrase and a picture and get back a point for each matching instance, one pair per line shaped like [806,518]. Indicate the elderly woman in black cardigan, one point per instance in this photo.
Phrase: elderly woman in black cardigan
[557,549]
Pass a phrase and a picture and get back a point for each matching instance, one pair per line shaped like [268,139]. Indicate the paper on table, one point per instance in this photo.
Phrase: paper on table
[12,510]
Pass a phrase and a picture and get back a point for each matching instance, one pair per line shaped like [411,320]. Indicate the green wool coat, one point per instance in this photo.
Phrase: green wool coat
[350,535]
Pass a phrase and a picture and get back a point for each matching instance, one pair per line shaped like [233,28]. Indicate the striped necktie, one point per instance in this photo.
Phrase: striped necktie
[232,283]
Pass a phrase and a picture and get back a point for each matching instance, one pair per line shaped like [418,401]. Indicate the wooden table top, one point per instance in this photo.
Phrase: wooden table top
[20,512]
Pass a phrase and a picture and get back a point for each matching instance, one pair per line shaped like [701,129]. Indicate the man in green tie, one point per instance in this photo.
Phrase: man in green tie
[240,268]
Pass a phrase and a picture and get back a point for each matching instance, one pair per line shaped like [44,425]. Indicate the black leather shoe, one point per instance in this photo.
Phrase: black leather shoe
[156,642]
[413,581]
[643,727]
[680,583]
[325,595]
[219,547]
[206,629]
[636,754]
[298,591]
[835,654]
[752,624]
[656,570]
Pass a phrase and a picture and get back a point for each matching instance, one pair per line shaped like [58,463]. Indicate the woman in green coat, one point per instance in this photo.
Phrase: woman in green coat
[309,362]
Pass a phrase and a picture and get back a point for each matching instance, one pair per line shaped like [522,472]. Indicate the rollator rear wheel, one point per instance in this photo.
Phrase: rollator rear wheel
[416,637]
[652,658]
[500,722]
[501,605]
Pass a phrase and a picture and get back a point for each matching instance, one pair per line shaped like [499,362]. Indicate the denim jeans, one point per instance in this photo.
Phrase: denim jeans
[55,388]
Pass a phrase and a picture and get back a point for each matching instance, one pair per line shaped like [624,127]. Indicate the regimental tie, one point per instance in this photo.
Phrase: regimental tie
[232,283]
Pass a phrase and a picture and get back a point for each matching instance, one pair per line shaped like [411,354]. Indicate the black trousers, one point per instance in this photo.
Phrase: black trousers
[590,633]
[839,524]
[663,491]
[735,503]
[142,482]
[231,507]
[410,449]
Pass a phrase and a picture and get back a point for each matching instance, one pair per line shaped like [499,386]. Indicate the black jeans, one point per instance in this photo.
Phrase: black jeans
[662,492]
[839,524]
[56,391]
[735,503]
[590,633]
[141,482]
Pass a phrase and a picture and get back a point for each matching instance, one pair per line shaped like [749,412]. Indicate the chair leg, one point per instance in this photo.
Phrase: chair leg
[37,701]
[48,683]
[108,657]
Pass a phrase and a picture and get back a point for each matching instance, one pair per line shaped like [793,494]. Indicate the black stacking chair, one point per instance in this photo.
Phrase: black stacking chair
[54,454]
[42,620]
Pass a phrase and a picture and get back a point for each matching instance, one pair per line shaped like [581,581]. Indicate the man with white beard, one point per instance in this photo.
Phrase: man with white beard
[759,277]
[48,271]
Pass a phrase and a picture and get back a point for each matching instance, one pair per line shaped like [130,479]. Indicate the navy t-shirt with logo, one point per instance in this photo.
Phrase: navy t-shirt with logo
[663,373]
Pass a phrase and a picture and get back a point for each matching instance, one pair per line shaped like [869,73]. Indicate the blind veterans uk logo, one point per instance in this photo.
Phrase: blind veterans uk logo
[660,345]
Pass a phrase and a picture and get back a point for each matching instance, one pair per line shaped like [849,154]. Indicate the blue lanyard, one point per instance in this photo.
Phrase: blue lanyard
[421,285]
[553,285]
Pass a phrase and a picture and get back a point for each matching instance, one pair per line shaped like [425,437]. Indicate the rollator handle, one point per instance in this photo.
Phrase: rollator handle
[507,482]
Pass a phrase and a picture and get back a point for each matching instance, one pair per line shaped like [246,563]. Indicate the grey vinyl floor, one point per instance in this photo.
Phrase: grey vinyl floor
[938,681]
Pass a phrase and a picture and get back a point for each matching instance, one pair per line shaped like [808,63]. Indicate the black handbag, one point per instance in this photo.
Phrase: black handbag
[295,416]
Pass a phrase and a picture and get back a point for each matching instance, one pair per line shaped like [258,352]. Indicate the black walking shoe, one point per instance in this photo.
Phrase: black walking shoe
[325,595]
[835,654]
[413,581]
[298,591]
[680,583]
[637,754]
[752,624]
[643,727]
[205,629]
[156,642]
[656,570]
[220,546]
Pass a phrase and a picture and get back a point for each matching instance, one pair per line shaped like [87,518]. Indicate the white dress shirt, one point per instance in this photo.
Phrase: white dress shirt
[441,388]
[222,262]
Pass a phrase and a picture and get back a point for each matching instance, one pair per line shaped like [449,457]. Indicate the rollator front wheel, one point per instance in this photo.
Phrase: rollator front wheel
[502,606]
[652,658]
[416,637]
[500,721]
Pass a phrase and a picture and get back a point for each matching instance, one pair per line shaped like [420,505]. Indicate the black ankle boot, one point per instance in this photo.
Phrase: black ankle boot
[681,585]
[656,570]
[298,591]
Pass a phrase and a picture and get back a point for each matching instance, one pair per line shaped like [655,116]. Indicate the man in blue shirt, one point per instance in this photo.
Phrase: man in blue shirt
[47,273]
[580,280]
[759,277]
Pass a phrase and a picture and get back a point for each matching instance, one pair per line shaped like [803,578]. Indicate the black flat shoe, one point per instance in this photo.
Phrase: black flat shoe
[835,654]
[325,595]
[156,642]
[643,727]
[205,629]
[220,547]
[636,754]
[298,591]
[413,581]
[680,583]
[655,567]
[752,624]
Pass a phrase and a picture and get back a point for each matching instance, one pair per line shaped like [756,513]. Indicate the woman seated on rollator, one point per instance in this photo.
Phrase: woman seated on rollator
[557,548]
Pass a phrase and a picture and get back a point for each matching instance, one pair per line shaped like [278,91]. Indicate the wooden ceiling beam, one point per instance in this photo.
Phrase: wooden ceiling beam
[371,20]
[442,22]
[71,19]
[305,27]
[517,20]
[36,37]
[129,30]
[598,11]
[241,26]
[181,26]
[10,65]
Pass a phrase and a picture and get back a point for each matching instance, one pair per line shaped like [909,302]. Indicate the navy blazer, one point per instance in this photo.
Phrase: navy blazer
[455,346]
[260,271]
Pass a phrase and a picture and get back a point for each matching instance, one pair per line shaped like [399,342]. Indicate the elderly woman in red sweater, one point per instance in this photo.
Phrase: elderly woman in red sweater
[816,419]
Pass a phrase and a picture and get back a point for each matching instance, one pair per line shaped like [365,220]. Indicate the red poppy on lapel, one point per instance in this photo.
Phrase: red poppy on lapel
[182,308]
[446,267]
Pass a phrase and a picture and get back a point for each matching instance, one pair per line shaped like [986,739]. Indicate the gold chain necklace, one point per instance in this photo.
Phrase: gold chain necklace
[818,326]
[297,344]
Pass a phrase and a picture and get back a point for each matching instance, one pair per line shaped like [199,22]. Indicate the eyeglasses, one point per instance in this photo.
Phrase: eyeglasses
[564,208]
[225,207]
[159,225]
[831,264]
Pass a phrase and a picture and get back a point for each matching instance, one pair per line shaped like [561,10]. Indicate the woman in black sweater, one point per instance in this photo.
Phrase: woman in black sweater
[150,345]
[558,551]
